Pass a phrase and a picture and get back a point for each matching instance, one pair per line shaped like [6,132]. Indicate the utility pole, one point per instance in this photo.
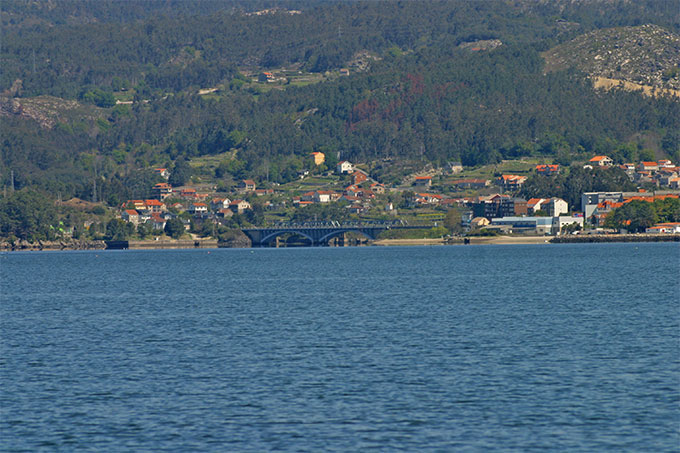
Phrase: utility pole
[94,182]
[11,183]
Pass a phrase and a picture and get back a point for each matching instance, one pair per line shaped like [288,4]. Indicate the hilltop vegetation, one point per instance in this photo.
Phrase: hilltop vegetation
[451,81]
[646,55]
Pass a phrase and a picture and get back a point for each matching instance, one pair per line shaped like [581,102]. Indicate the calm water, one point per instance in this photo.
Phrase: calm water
[464,348]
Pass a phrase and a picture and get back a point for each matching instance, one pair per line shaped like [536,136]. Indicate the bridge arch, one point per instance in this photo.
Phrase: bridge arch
[325,238]
[276,233]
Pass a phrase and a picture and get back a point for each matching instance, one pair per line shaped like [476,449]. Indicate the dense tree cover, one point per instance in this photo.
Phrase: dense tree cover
[638,215]
[426,101]
[28,215]
[173,45]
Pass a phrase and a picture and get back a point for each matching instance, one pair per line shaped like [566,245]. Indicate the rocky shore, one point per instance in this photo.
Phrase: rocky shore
[52,245]
[588,238]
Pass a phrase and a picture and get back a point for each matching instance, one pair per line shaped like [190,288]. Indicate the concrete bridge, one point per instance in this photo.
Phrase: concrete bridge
[320,233]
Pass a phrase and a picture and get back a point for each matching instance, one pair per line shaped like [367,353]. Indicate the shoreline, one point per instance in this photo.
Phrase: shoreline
[188,244]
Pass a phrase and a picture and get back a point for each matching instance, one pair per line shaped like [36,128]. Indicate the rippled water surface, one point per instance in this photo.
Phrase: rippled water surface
[464,348]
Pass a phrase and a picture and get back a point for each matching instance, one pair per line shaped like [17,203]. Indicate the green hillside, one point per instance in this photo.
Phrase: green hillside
[428,83]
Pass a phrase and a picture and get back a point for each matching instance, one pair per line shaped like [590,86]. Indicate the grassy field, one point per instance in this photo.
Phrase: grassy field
[523,167]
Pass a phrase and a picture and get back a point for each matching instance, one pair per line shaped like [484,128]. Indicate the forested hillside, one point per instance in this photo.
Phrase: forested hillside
[427,93]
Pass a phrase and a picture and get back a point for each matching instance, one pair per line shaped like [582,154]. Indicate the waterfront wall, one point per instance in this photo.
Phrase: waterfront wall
[586,238]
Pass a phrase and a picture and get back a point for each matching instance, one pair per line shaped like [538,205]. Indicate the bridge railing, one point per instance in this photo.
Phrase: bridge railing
[349,225]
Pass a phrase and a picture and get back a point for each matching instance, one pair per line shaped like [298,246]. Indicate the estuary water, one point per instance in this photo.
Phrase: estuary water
[462,348]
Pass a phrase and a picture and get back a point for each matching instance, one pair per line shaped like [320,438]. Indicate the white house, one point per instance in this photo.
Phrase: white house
[344,167]
[664,228]
[560,222]
[601,161]
[238,206]
[325,196]
[198,208]
[556,207]
[219,203]
[455,167]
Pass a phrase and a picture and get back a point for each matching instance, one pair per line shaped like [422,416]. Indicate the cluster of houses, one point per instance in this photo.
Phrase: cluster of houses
[509,183]
[509,214]
[198,204]
[662,173]
[359,194]
[499,211]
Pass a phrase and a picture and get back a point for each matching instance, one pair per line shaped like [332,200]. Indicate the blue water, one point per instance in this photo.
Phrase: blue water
[462,348]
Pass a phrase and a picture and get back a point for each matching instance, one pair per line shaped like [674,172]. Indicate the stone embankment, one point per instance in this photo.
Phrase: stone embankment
[587,238]
[52,245]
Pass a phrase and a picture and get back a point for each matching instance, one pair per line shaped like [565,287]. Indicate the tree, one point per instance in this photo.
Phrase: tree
[634,216]
[119,230]
[28,215]
[452,221]
[174,228]
[145,229]
[181,172]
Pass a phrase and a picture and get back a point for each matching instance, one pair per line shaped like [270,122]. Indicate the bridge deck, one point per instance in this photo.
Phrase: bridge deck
[321,233]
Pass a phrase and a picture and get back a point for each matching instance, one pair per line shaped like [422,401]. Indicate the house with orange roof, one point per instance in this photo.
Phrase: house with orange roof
[267,77]
[535,204]
[423,181]
[648,166]
[511,182]
[307,196]
[377,188]
[157,221]
[154,205]
[135,204]
[359,176]
[130,215]
[664,228]
[601,161]
[198,208]
[219,203]
[239,206]
[548,169]
[427,198]
[162,190]
[350,198]
[247,185]
[163,172]
[353,191]
[188,193]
